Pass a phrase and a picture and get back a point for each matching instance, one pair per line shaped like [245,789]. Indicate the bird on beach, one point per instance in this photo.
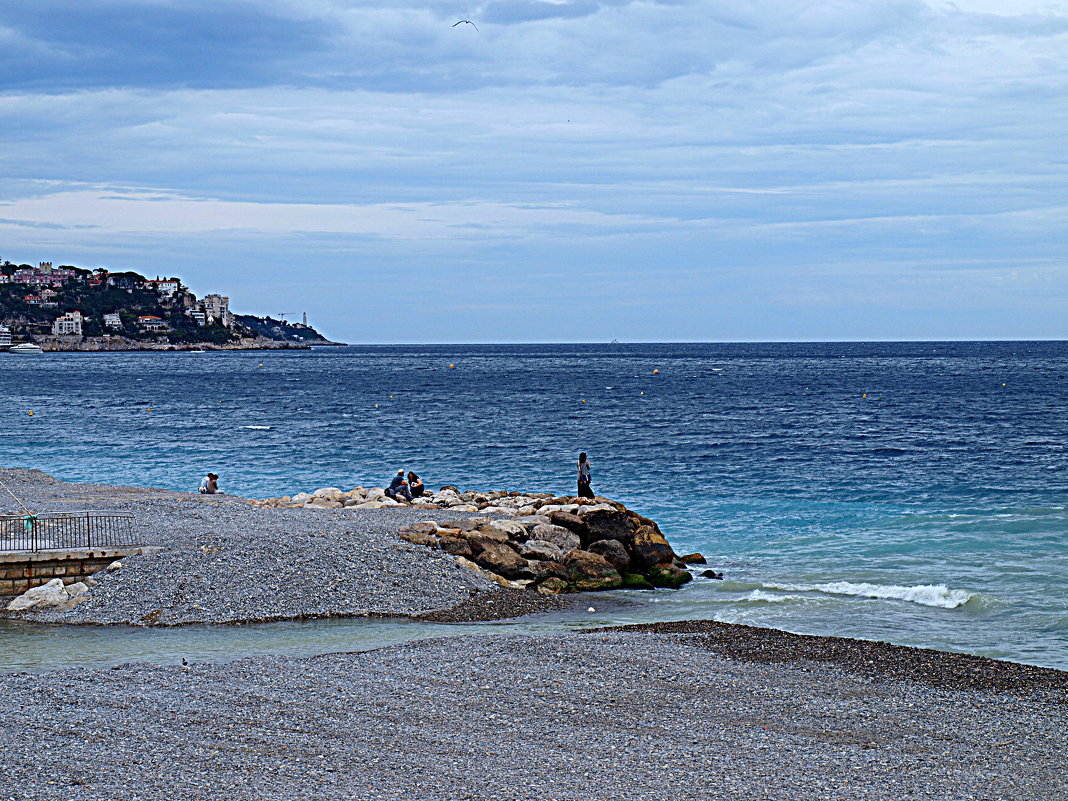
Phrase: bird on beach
[469,22]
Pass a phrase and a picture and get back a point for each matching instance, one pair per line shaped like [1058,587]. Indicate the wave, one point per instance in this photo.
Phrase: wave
[771,598]
[258,428]
[938,595]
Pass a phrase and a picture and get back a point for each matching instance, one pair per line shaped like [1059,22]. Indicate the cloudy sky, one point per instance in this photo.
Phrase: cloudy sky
[572,170]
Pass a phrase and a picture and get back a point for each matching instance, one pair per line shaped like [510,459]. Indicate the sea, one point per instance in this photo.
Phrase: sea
[914,493]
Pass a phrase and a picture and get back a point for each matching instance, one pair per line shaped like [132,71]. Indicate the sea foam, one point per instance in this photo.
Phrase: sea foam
[924,594]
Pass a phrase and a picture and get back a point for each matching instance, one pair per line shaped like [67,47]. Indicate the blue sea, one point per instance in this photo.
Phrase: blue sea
[915,493]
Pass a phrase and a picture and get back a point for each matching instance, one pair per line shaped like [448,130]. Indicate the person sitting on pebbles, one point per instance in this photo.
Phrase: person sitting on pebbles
[209,485]
[398,486]
[415,485]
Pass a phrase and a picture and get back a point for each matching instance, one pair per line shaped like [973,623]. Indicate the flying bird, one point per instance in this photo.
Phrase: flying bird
[469,22]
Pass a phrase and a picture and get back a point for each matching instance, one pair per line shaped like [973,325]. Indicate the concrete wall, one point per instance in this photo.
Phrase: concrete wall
[21,570]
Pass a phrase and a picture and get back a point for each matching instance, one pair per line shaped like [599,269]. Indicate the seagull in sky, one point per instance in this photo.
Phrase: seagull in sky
[469,22]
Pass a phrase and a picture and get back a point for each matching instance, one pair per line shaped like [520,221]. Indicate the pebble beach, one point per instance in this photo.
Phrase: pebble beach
[689,710]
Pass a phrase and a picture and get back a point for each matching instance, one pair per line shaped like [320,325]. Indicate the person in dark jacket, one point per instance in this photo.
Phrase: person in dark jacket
[415,485]
[398,486]
[584,477]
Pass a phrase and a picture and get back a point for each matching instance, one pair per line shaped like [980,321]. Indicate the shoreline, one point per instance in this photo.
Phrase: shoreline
[156,347]
[191,581]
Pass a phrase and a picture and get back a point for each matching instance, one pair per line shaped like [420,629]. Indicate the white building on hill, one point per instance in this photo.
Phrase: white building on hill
[68,325]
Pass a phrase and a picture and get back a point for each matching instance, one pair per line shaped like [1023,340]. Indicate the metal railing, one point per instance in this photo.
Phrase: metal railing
[62,530]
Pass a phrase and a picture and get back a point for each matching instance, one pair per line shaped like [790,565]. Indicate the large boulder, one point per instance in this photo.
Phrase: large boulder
[541,570]
[502,560]
[457,546]
[47,596]
[540,549]
[420,538]
[558,535]
[608,524]
[667,576]
[552,586]
[650,548]
[587,572]
[568,520]
[485,535]
[511,529]
[613,552]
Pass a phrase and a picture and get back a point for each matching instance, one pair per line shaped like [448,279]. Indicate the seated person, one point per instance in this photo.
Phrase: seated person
[209,485]
[415,485]
[398,486]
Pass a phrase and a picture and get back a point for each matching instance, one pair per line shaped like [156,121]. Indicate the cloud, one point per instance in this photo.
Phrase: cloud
[121,210]
[741,146]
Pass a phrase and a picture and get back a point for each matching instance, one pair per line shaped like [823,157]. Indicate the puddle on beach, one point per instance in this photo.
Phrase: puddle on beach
[39,648]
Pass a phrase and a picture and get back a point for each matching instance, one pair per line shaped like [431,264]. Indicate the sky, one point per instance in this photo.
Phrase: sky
[557,171]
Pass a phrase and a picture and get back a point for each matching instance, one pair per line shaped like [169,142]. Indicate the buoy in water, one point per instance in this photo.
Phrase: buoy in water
[583,400]
[31,412]
[452,366]
[864,395]
[376,405]
[149,408]
[656,372]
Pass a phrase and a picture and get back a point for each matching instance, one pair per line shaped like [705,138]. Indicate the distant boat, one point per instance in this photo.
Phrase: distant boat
[24,348]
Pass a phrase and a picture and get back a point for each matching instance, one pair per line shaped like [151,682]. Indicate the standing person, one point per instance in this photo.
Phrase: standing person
[584,476]
[209,485]
[415,485]
[398,486]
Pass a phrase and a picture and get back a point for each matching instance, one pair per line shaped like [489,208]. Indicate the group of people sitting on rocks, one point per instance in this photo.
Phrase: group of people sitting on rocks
[409,488]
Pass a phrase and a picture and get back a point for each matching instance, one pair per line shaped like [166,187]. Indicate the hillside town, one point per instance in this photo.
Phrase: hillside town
[72,308]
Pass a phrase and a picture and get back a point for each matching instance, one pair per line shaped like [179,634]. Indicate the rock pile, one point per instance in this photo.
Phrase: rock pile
[53,595]
[540,541]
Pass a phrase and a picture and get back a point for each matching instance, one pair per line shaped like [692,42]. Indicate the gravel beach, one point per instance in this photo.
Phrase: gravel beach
[226,561]
[606,715]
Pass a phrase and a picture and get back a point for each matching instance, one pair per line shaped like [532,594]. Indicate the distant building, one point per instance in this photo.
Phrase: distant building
[5,336]
[44,275]
[166,286]
[33,300]
[199,317]
[67,325]
[112,320]
[4,279]
[217,307]
[151,323]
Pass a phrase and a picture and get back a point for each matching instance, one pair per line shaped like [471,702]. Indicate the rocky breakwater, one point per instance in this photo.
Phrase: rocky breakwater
[539,541]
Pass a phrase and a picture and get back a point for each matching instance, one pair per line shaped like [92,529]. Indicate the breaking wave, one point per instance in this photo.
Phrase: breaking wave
[938,595]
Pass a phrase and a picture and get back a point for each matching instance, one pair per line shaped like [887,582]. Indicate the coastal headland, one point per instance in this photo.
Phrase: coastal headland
[68,308]
[694,709]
